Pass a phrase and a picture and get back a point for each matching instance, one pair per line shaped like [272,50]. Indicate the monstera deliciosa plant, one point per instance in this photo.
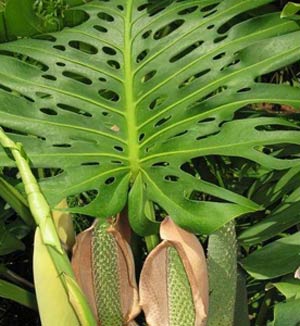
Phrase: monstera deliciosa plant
[120,105]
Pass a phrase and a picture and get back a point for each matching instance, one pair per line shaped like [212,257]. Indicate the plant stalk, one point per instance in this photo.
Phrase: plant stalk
[41,213]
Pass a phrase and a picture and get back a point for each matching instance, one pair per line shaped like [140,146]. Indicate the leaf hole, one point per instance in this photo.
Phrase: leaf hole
[120,7]
[184,132]
[64,145]
[109,95]
[148,76]
[110,180]
[276,127]
[168,29]
[45,37]
[142,7]
[192,78]
[162,121]
[106,17]
[83,47]
[114,64]
[59,47]
[49,77]
[142,56]
[161,164]
[220,39]
[117,162]
[233,63]
[102,79]
[77,77]
[147,34]
[90,164]
[186,51]
[100,28]
[209,7]
[171,178]
[208,135]
[43,95]
[109,50]
[73,109]
[86,197]
[157,102]
[119,148]
[210,13]
[206,120]
[141,137]
[48,111]
[60,64]
[244,90]
[219,90]
[219,56]
[210,26]
[187,11]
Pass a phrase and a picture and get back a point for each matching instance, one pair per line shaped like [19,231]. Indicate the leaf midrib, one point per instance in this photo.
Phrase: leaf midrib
[132,133]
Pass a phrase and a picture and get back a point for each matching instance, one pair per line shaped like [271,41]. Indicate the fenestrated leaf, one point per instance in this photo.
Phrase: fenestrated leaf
[283,257]
[144,88]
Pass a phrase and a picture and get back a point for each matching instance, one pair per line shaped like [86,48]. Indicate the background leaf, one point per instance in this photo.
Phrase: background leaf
[282,255]
[18,294]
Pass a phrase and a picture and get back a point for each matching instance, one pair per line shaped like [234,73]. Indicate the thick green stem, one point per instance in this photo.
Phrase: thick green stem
[41,213]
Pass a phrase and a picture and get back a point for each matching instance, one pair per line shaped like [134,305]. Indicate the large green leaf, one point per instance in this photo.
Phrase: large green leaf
[140,89]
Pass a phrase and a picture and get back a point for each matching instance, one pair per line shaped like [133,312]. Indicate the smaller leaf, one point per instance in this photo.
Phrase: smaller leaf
[15,199]
[8,242]
[174,281]
[136,209]
[13,292]
[287,313]
[289,287]
[283,257]
[104,267]
[290,10]
[272,225]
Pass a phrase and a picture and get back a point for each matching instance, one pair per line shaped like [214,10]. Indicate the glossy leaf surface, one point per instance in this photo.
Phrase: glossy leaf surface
[139,90]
